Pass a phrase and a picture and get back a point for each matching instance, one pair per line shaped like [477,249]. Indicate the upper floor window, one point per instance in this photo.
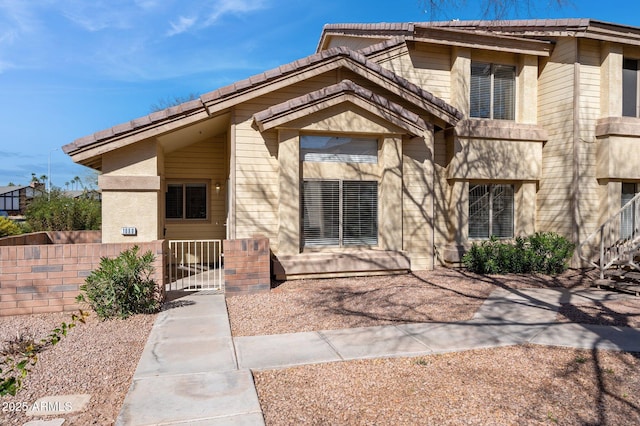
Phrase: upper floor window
[186,200]
[335,149]
[493,91]
[491,211]
[630,88]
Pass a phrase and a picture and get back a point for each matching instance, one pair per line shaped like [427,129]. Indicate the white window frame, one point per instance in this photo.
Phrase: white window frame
[339,238]
[184,184]
[490,195]
[338,149]
[492,95]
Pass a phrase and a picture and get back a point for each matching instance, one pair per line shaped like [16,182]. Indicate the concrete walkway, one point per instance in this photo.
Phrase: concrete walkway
[192,371]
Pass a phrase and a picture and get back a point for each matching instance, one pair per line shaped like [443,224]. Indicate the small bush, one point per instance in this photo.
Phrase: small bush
[9,227]
[122,286]
[544,252]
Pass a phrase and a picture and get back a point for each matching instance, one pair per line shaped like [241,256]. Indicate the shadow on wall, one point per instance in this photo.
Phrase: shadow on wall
[52,237]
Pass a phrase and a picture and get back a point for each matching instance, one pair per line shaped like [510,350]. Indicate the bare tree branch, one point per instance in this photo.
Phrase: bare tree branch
[491,9]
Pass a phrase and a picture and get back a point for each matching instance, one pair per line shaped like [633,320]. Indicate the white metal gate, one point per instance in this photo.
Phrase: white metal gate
[195,265]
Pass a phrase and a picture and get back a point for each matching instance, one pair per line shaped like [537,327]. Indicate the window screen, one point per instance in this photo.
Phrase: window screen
[360,213]
[492,93]
[338,149]
[491,210]
[321,210]
[174,201]
[339,213]
[630,88]
[186,201]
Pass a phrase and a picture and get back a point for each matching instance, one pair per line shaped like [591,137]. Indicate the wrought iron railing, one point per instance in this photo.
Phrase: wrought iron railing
[195,265]
[617,240]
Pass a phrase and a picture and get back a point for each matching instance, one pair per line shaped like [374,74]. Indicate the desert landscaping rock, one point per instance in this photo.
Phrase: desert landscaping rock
[96,358]
[525,384]
[52,422]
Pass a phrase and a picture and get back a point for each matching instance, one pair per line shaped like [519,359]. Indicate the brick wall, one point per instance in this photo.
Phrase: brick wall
[52,237]
[247,266]
[45,278]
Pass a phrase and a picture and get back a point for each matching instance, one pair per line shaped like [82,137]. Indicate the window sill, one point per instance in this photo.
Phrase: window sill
[482,128]
[618,126]
[187,221]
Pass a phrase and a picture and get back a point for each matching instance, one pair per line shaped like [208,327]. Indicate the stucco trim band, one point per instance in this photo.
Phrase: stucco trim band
[129,183]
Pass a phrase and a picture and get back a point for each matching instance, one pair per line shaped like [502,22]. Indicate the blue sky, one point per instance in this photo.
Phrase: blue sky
[71,68]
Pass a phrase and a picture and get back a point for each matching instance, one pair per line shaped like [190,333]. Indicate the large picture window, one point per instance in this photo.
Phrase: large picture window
[493,91]
[186,201]
[335,149]
[490,211]
[630,88]
[339,213]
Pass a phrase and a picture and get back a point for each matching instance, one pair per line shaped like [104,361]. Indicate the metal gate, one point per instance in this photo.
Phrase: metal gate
[195,265]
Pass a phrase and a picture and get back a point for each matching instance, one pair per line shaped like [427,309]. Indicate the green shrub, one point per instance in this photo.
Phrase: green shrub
[544,252]
[58,212]
[551,251]
[122,286]
[9,227]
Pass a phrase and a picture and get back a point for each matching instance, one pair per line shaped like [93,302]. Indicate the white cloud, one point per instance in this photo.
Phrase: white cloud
[183,25]
[223,7]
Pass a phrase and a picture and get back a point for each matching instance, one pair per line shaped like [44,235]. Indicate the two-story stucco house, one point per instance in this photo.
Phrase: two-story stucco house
[392,148]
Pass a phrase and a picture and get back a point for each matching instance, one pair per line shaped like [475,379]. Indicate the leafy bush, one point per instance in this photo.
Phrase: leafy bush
[543,252]
[58,212]
[122,286]
[9,227]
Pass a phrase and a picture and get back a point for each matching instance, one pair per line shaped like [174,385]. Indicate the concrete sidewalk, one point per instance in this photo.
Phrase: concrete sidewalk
[189,371]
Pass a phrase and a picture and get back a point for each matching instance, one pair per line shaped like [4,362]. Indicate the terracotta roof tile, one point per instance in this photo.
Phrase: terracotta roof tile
[345,86]
[265,78]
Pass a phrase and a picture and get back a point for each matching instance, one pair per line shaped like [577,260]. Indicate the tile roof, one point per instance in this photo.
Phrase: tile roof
[325,56]
[527,28]
[207,101]
[344,87]
[182,110]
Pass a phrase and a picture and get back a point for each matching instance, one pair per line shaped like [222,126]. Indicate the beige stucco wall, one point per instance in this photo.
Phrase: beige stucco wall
[131,188]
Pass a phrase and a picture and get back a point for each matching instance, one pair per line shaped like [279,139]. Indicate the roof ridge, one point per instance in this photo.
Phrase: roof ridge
[261,79]
[344,86]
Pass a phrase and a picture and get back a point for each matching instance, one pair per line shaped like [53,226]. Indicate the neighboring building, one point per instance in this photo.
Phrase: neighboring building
[15,199]
[392,148]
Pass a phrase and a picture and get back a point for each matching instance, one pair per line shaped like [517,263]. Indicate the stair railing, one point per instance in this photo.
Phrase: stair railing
[617,239]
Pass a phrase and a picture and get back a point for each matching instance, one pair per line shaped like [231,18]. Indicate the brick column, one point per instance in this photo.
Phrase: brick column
[247,266]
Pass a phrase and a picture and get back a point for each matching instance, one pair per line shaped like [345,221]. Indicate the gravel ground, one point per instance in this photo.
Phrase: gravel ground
[502,386]
[523,385]
[96,358]
[517,385]
[442,295]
